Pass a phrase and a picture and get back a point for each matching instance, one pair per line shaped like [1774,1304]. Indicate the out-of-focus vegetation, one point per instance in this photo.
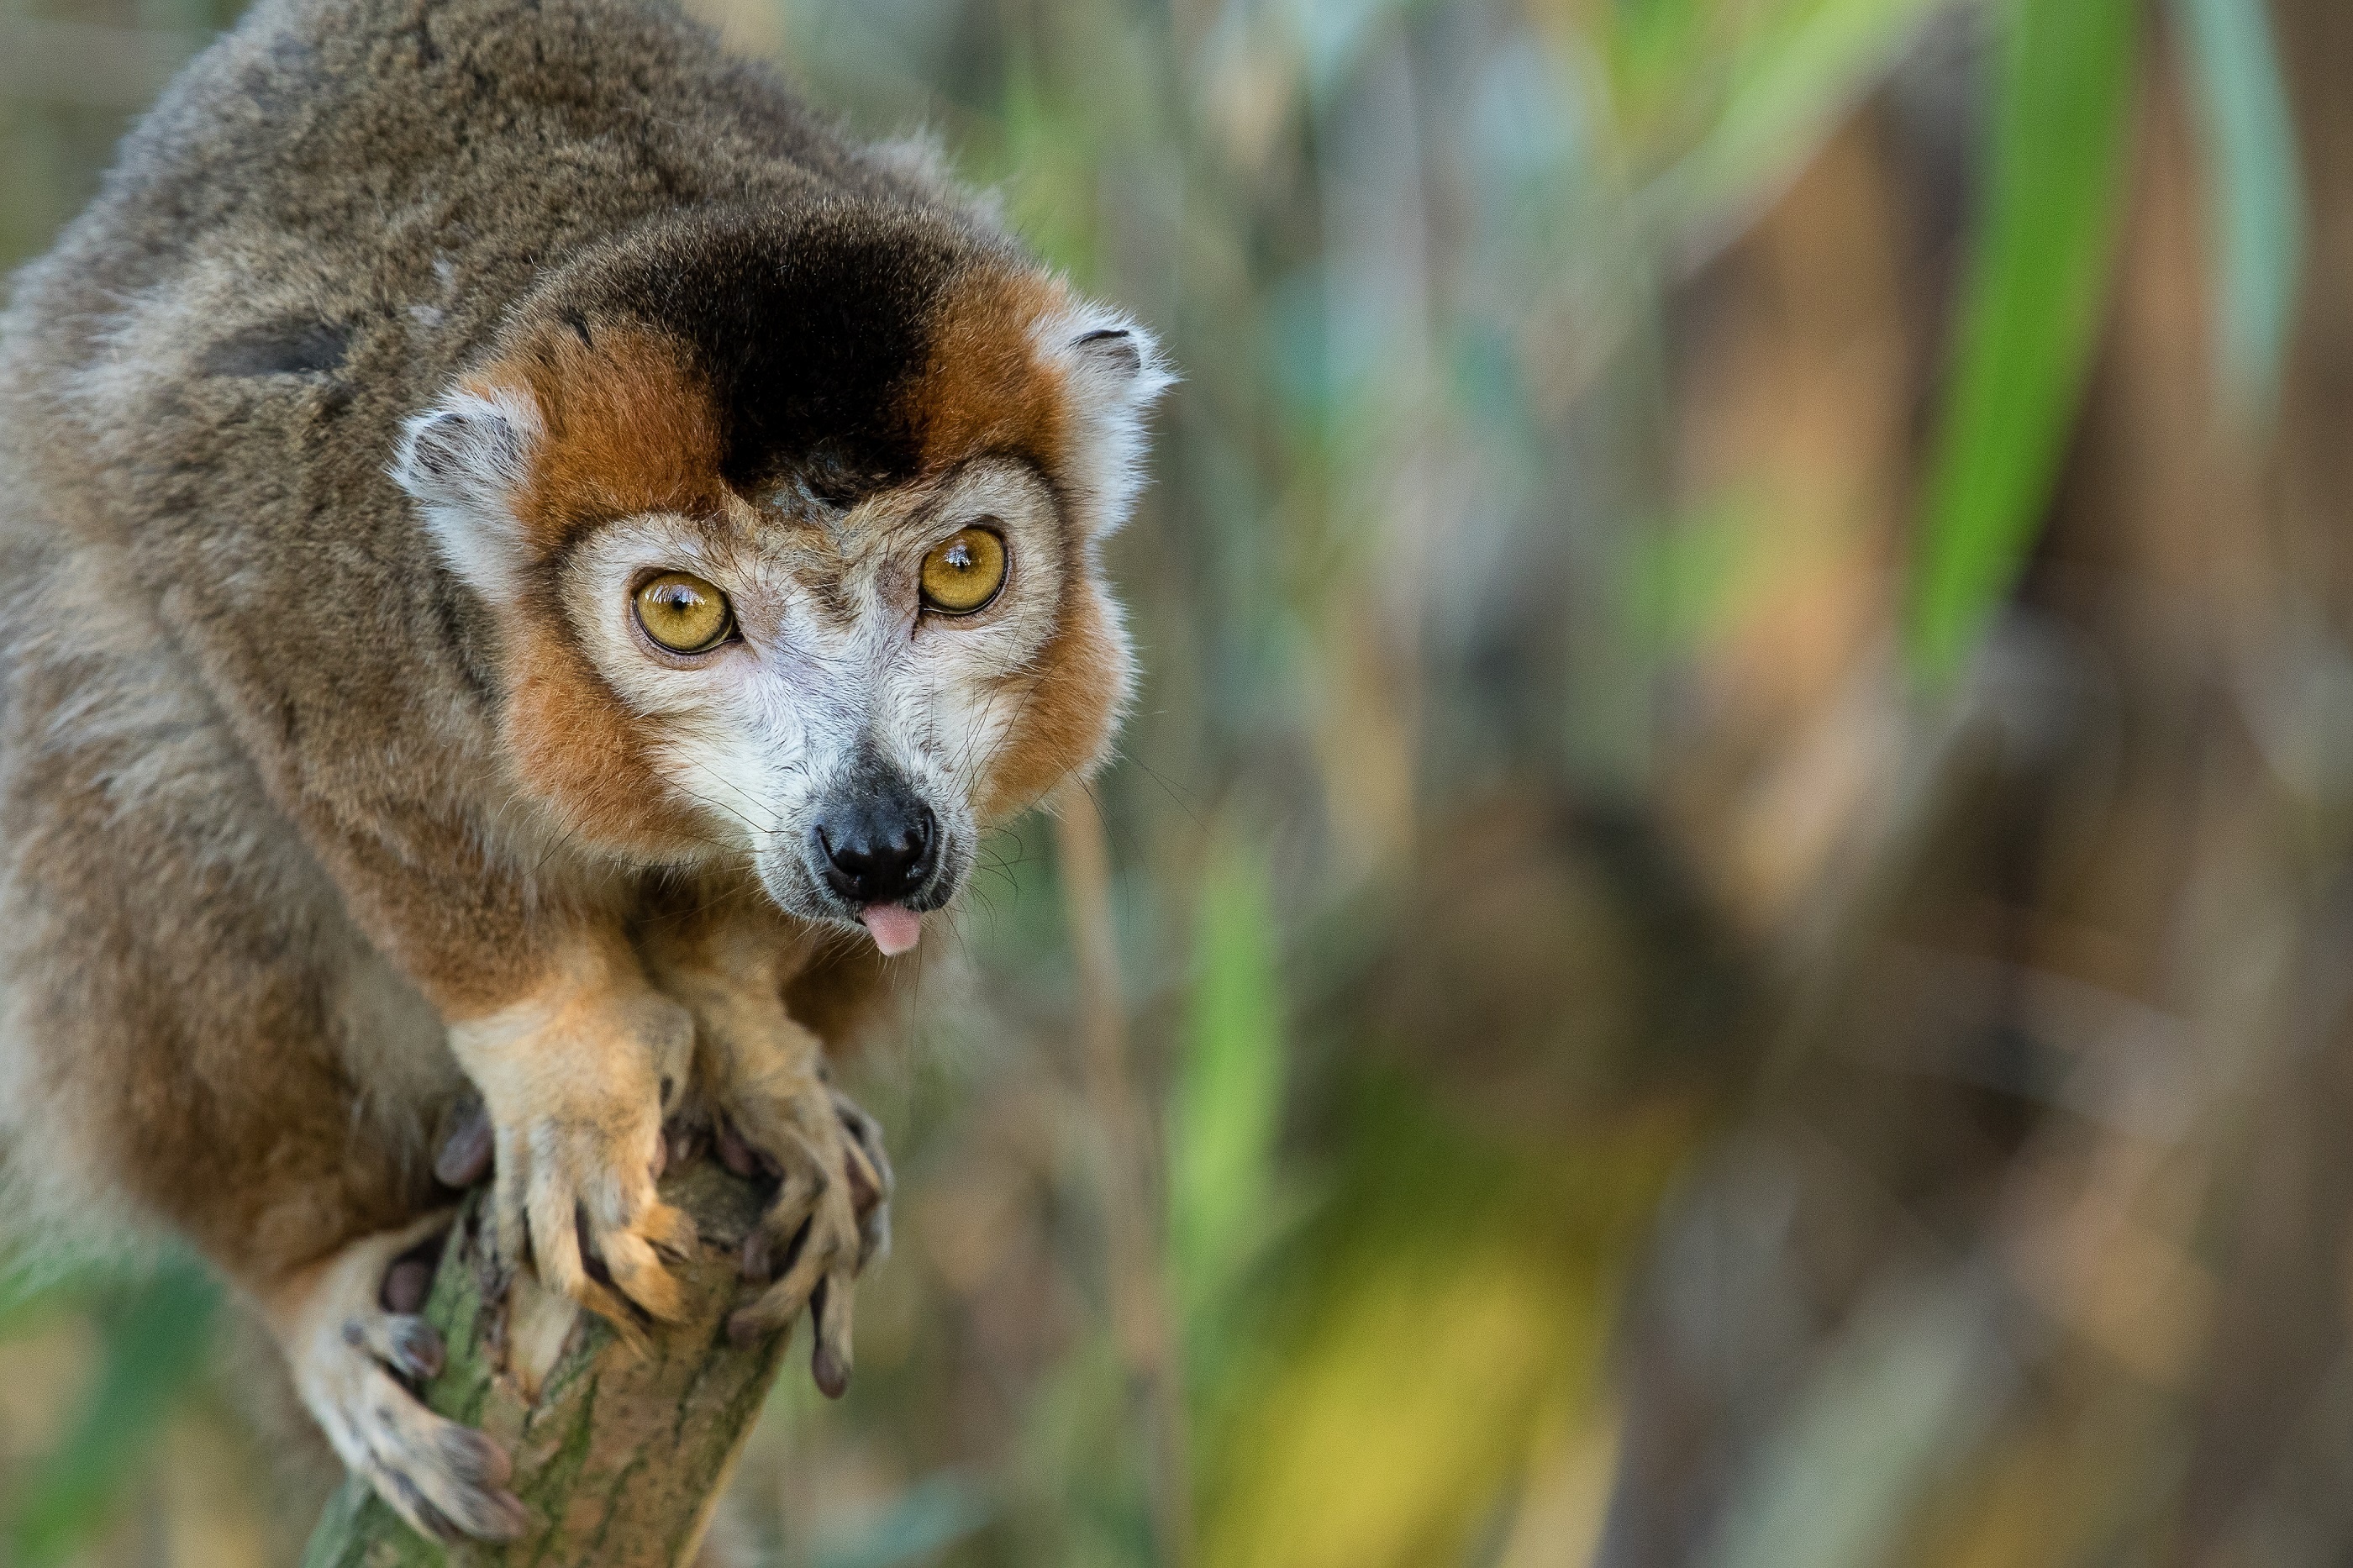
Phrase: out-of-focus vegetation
[1726,904]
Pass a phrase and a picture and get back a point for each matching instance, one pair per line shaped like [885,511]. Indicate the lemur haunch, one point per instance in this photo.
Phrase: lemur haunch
[521,551]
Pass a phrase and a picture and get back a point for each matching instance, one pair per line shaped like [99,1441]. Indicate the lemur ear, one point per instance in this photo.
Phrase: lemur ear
[464,459]
[1115,375]
[1112,349]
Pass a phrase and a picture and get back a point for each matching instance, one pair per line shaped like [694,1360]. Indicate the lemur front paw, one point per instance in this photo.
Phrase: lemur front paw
[575,1096]
[831,1216]
[349,1351]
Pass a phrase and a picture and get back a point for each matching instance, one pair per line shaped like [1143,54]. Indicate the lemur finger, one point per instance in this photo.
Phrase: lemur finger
[830,1308]
[776,1308]
[871,1180]
[408,1345]
[446,1479]
[509,1187]
[818,1254]
[870,1204]
[803,1266]
[773,1244]
[615,1208]
[448,1510]
[555,1251]
[628,1305]
[769,1250]
[740,1156]
[671,1231]
[473,1458]
[867,1134]
[873,1236]
[465,1157]
[865,1182]
[407,1499]
[639,1274]
[409,1279]
[804,1186]
[555,1226]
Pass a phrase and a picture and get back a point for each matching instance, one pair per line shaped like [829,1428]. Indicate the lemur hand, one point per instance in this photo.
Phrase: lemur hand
[574,1087]
[832,1211]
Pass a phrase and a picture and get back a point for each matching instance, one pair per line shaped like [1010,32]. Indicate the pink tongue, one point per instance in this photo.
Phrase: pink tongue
[896,927]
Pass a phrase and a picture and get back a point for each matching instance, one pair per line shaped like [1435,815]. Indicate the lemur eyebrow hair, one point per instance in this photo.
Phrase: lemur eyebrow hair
[924,512]
[797,496]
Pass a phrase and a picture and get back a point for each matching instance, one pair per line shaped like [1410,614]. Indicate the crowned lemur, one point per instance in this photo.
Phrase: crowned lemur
[528,560]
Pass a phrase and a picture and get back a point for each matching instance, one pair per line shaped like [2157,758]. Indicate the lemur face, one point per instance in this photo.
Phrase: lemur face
[804,568]
[839,690]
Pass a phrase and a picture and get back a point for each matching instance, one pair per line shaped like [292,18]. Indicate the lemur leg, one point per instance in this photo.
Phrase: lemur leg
[550,1015]
[765,1080]
[575,1078]
[194,1036]
[352,1358]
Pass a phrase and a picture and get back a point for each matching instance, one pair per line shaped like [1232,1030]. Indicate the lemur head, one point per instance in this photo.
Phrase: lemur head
[789,522]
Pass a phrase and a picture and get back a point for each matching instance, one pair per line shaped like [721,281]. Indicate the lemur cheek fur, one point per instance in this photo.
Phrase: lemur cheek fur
[1069,701]
[575,748]
[333,788]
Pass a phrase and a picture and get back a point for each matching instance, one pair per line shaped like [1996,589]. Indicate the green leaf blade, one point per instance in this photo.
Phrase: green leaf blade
[1229,1094]
[2030,313]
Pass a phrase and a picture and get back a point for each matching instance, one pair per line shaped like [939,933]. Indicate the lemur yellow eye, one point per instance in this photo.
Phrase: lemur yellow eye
[964,573]
[684,614]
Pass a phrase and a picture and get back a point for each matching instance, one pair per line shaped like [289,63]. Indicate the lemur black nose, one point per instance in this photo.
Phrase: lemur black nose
[877,847]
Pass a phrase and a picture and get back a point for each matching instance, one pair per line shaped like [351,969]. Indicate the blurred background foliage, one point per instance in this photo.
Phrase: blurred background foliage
[1721,933]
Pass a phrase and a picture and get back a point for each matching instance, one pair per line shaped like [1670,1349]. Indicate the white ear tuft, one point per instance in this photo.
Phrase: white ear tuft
[1114,350]
[463,460]
[1115,375]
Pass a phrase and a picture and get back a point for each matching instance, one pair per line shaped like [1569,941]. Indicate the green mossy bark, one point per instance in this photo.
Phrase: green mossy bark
[621,1456]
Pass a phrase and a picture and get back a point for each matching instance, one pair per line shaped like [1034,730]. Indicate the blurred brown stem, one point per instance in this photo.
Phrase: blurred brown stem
[1137,1264]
